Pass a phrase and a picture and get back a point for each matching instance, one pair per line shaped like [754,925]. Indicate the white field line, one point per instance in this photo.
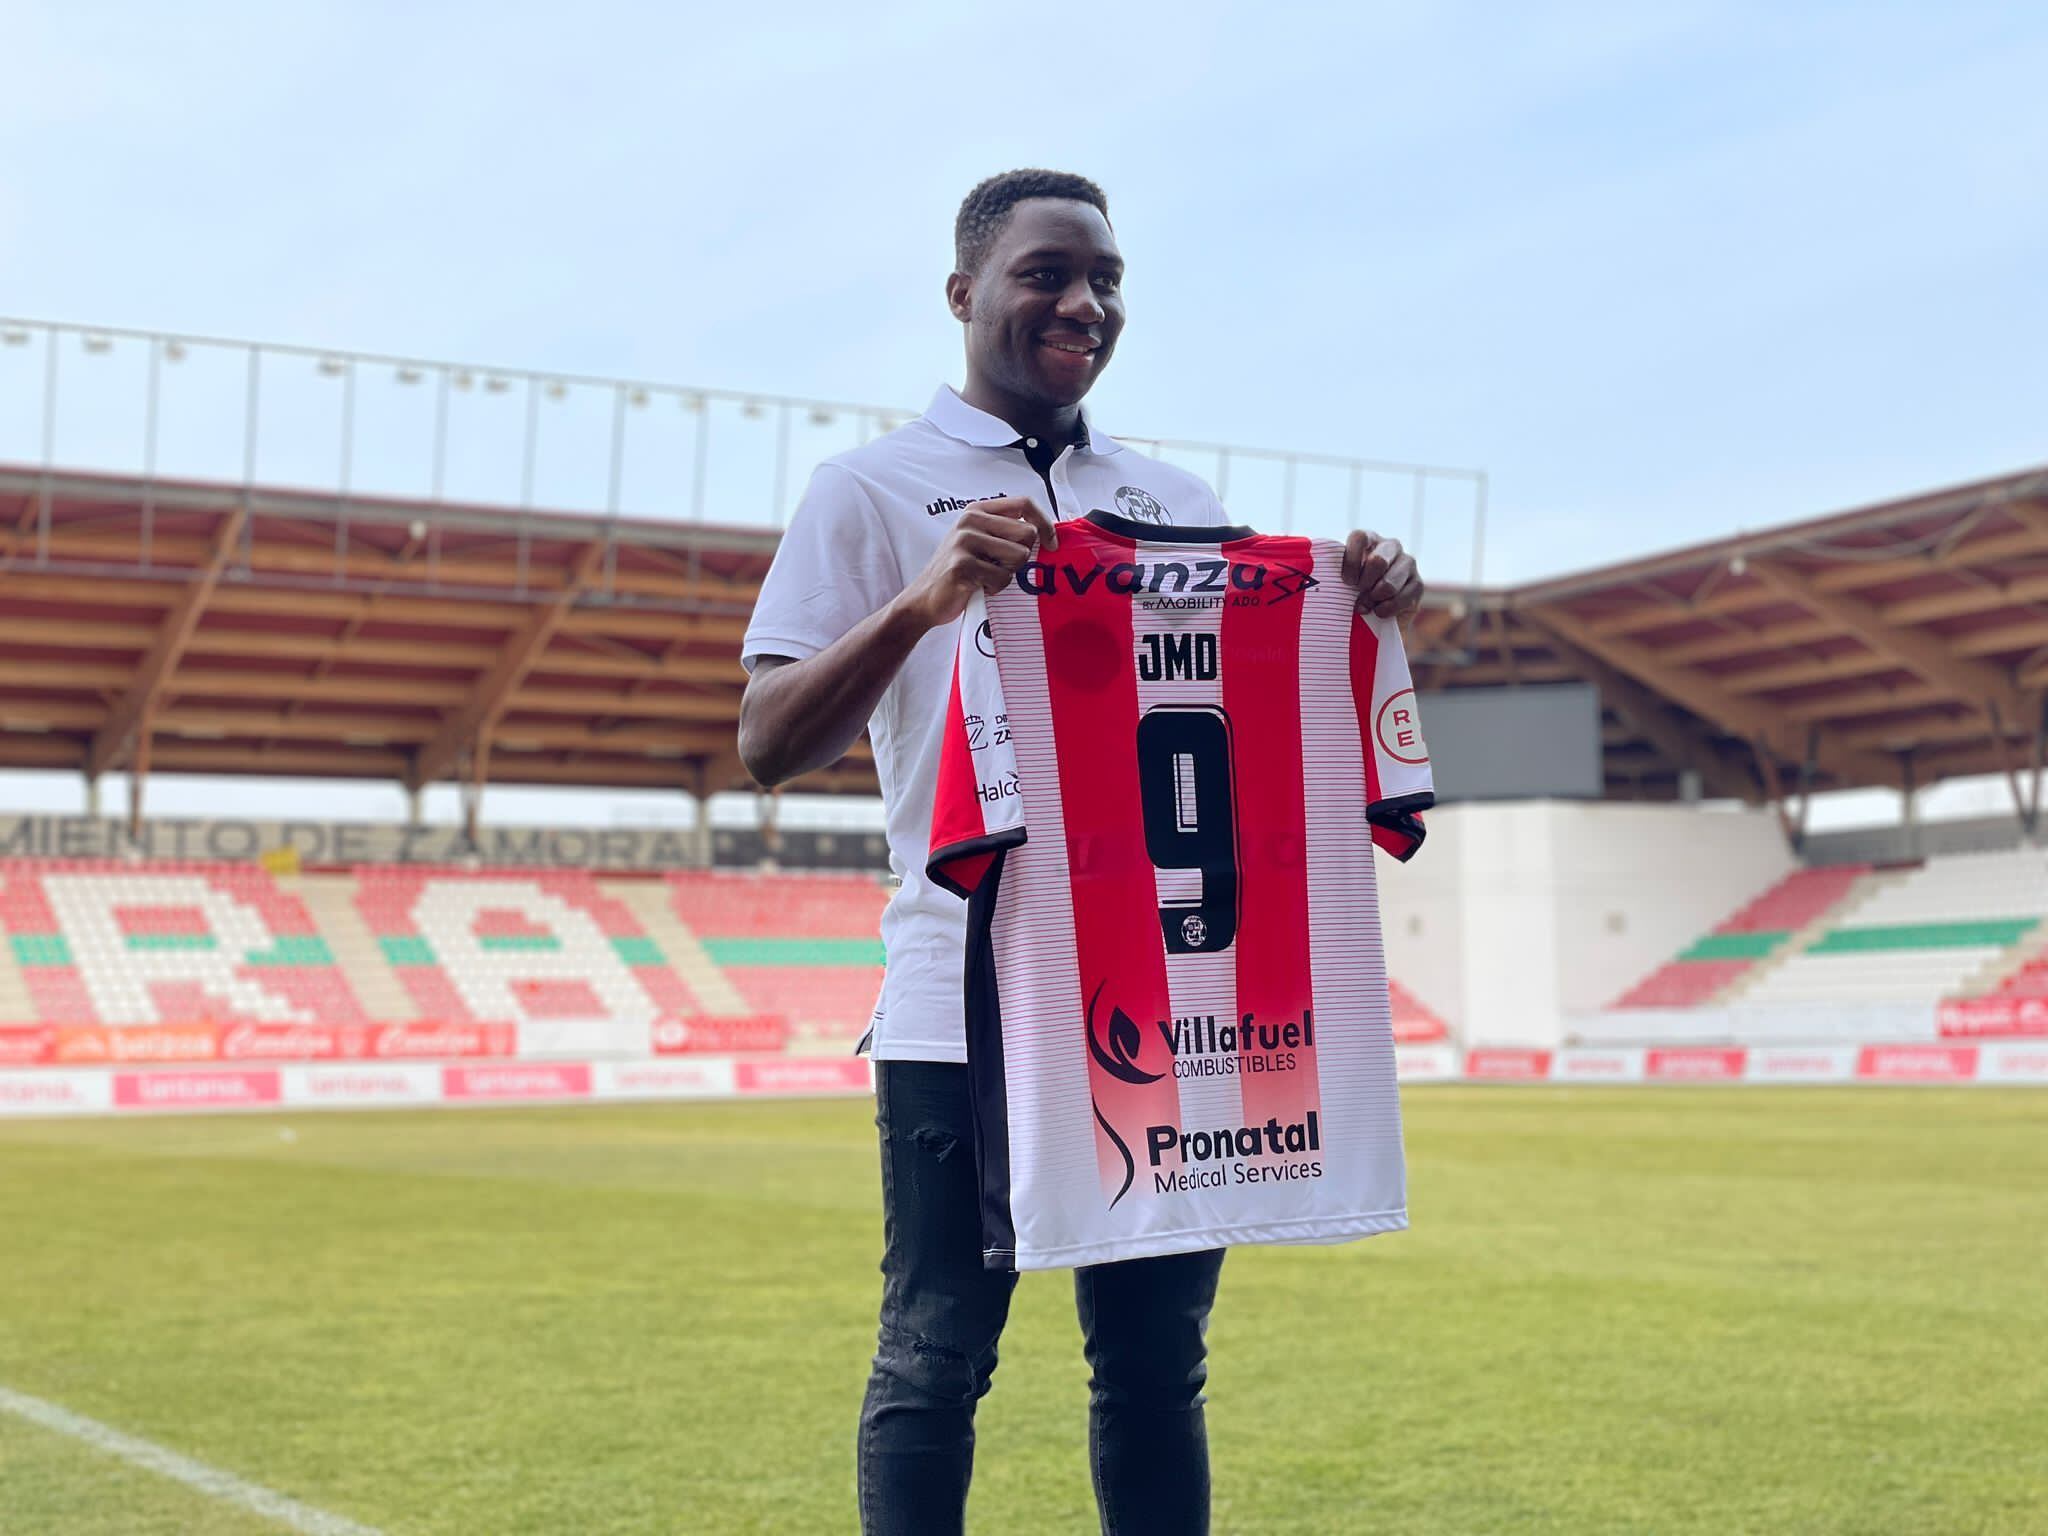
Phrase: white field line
[210,1481]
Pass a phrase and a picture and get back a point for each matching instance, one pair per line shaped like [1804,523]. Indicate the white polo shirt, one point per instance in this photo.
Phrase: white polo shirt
[869,522]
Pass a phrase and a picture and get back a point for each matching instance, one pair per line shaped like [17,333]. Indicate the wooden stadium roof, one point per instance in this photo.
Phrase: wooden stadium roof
[167,626]
[189,627]
[1893,645]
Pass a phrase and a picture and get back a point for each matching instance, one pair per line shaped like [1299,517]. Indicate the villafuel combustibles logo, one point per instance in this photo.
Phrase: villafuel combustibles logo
[1135,1076]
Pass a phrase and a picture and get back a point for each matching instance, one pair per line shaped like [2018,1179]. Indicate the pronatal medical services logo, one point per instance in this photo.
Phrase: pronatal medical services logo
[1139,506]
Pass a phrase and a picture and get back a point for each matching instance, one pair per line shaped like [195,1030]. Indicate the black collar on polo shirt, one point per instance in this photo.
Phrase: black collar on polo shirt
[978,428]
[1043,452]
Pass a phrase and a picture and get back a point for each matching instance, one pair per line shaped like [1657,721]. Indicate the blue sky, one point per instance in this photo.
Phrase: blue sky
[1663,271]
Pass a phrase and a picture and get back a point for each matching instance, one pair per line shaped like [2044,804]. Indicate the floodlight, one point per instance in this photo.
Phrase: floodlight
[95,341]
[637,397]
[407,375]
[332,367]
[753,410]
[820,417]
[496,384]
[14,336]
[557,390]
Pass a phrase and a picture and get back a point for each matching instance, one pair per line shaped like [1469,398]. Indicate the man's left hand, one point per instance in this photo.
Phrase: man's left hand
[1384,576]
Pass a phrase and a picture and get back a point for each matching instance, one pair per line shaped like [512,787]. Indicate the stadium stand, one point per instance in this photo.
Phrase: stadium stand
[1948,928]
[1953,947]
[507,946]
[726,960]
[803,946]
[103,943]
[1709,968]
[1414,1023]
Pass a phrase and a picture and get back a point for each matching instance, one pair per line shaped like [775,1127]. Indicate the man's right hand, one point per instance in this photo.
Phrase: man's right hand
[986,545]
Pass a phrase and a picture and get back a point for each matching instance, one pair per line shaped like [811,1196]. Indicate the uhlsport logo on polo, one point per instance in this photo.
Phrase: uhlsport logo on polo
[955,503]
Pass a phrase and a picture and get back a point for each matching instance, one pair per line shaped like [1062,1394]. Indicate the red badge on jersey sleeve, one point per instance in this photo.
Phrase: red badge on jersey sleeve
[1398,786]
[978,808]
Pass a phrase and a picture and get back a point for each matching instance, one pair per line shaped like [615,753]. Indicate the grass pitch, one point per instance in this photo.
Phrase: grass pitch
[1669,1310]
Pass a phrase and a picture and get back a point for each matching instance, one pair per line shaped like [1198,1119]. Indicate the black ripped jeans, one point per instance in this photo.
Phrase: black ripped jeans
[1142,1324]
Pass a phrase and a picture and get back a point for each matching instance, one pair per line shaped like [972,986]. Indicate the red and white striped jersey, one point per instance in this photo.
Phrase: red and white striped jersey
[1168,754]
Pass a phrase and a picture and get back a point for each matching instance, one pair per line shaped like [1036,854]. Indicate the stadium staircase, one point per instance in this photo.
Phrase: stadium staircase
[802,946]
[649,902]
[330,900]
[15,1002]
[2021,971]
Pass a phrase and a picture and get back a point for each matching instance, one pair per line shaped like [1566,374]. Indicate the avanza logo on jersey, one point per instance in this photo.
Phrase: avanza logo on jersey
[1279,582]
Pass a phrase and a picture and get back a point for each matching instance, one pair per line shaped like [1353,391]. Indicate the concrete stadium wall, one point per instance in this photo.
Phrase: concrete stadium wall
[1517,916]
[1927,840]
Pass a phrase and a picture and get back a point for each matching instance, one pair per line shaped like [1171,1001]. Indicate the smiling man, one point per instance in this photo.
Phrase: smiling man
[854,628]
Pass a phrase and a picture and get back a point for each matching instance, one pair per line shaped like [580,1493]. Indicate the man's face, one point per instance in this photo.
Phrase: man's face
[1044,311]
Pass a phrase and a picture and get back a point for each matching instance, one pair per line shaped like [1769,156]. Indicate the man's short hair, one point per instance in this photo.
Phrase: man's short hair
[985,210]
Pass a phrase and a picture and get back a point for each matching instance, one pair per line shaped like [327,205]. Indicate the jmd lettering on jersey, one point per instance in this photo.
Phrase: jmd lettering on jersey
[1177,658]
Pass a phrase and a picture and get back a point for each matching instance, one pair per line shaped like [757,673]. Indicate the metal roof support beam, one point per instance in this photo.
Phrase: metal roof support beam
[2026,800]
[112,739]
[1774,790]
[1748,718]
[471,722]
[138,773]
[477,772]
